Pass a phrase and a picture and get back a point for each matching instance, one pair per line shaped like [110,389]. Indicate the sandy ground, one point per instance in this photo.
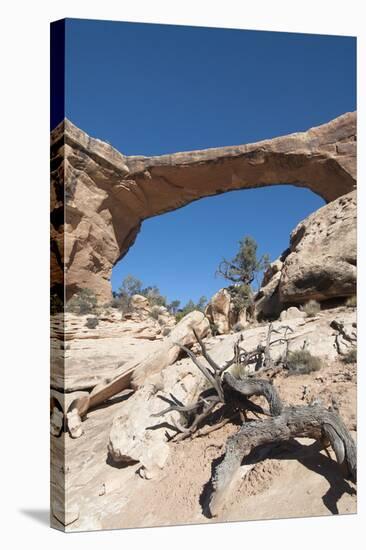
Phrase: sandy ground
[296,480]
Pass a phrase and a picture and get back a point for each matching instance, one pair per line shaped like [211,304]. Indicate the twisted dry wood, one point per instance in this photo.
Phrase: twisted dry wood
[249,387]
[285,422]
[310,421]
[226,391]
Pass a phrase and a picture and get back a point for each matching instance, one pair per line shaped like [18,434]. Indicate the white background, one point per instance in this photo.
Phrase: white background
[24,196]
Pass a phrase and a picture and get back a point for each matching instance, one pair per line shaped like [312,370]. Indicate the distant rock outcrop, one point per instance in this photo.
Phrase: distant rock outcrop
[323,255]
[320,263]
[100,197]
[222,313]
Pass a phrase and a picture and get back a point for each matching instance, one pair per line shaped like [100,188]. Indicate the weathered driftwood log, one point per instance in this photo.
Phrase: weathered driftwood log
[310,421]
[134,376]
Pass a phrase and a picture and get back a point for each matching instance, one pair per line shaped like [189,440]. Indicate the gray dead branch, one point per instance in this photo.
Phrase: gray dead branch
[229,396]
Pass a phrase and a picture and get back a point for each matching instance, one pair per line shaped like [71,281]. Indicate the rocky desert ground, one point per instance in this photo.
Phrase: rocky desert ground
[163,483]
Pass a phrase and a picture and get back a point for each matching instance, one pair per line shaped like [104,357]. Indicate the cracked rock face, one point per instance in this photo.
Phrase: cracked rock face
[323,255]
[100,197]
[320,264]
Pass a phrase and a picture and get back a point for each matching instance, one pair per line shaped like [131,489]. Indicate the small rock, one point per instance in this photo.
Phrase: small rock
[292,313]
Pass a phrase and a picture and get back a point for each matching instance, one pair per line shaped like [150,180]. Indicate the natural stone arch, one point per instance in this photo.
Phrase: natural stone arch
[99,197]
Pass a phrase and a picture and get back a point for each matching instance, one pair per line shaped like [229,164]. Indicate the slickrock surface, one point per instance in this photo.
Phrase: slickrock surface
[295,480]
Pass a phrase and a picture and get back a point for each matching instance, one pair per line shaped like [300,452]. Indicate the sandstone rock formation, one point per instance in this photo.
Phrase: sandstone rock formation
[320,263]
[292,313]
[218,311]
[169,350]
[266,302]
[140,304]
[323,254]
[131,375]
[130,437]
[104,495]
[141,310]
[221,312]
[108,195]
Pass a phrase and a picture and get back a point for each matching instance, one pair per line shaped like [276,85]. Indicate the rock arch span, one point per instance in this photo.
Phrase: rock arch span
[100,197]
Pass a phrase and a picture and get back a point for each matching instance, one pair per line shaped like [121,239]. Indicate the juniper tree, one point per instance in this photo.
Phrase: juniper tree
[243,268]
[241,271]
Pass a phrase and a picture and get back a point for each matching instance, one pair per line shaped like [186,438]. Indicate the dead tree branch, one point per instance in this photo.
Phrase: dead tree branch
[282,422]
[232,394]
[307,421]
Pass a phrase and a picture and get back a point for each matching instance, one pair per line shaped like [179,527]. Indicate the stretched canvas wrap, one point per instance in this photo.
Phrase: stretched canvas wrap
[203,275]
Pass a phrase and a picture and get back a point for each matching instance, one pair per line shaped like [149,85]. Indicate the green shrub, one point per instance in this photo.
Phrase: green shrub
[214,329]
[92,322]
[155,312]
[152,293]
[351,301]
[245,265]
[191,306]
[350,356]
[241,297]
[83,302]
[302,362]
[115,303]
[311,308]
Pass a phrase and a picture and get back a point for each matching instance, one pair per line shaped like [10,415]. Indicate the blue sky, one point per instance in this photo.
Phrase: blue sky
[155,89]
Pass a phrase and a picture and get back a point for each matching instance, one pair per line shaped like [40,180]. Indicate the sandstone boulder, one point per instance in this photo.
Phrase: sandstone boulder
[266,301]
[320,263]
[140,303]
[169,351]
[218,311]
[223,314]
[323,255]
[132,438]
[292,313]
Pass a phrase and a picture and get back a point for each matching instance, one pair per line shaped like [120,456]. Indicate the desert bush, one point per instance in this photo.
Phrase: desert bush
[116,302]
[351,301]
[350,356]
[152,293]
[241,297]
[173,306]
[302,362]
[92,322]
[130,285]
[83,302]
[214,329]
[166,331]
[311,308]
[191,306]
[155,312]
